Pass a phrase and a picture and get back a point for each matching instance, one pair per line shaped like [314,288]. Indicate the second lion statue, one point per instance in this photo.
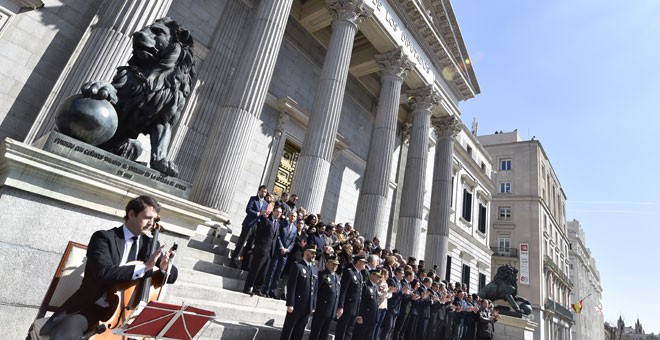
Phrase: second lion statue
[150,93]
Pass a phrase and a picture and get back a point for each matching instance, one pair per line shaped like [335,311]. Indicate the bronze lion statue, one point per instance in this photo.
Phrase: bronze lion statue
[505,287]
[150,93]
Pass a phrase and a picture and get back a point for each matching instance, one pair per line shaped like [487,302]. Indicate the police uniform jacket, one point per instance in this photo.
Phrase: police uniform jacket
[369,303]
[301,288]
[328,294]
[351,290]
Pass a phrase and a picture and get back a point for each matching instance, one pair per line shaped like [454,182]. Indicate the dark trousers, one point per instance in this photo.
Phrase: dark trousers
[388,326]
[422,328]
[345,326]
[364,331]
[320,327]
[275,270]
[245,230]
[411,327]
[294,326]
[379,324]
[432,330]
[400,327]
[258,267]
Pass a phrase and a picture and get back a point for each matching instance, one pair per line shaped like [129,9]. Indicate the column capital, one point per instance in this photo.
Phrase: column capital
[394,63]
[353,11]
[447,126]
[424,98]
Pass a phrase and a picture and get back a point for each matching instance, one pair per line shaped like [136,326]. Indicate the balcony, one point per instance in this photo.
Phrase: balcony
[505,252]
[558,309]
[549,264]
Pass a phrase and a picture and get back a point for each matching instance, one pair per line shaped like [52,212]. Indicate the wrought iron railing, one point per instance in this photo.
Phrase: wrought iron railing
[558,309]
[507,252]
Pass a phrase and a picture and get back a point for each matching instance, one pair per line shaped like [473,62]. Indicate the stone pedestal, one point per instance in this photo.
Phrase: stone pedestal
[510,328]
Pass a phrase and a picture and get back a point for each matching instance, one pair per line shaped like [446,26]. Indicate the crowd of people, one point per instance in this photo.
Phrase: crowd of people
[332,273]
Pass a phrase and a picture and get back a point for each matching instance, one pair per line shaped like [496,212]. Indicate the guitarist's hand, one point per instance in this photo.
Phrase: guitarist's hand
[151,263]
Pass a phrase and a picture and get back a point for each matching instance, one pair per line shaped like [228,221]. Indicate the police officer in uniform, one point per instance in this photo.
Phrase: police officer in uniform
[368,314]
[349,298]
[327,298]
[301,295]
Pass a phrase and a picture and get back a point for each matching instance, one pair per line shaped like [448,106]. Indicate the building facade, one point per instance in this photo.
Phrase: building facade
[351,104]
[586,285]
[529,229]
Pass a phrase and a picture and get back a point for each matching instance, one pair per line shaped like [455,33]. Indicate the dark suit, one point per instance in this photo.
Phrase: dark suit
[301,294]
[102,271]
[349,299]
[285,240]
[423,312]
[393,308]
[368,311]
[252,210]
[404,314]
[326,304]
[265,244]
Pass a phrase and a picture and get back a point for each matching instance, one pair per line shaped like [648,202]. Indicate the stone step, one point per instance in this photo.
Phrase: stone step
[218,241]
[210,247]
[232,330]
[238,313]
[194,276]
[208,265]
[187,290]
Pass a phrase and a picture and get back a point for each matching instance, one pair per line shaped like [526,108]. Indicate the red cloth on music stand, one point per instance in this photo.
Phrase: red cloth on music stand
[157,315]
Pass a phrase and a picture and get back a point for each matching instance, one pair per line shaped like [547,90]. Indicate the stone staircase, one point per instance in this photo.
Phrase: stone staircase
[207,281]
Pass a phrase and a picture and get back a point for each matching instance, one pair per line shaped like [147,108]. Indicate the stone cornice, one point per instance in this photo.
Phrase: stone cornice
[450,65]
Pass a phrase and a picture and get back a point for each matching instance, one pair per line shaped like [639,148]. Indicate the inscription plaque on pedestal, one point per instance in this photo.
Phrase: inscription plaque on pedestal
[89,155]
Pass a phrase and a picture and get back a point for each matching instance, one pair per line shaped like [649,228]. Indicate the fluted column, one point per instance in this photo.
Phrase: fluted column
[371,216]
[229,141]
[412,197]
[313,167]
[437,238]
[106,45]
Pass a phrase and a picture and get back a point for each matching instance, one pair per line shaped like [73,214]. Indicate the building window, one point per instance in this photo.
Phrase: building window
[467,205]
[483,166]
[505,164]
[482,218]
[482,281]
[451,199]
[448,270]
[504,214]
[469,150]
[465,277]
[504,242]
[505,188]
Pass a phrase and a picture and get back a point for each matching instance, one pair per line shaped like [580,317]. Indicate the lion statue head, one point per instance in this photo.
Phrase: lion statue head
[150,93]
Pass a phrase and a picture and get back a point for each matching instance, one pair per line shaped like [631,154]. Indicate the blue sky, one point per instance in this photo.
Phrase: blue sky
[583,76]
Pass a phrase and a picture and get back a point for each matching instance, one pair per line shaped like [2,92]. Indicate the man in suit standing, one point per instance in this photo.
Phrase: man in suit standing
[301,296]
[285,243]
[107,254]
[255,208]
[349,298]
[265,246]
[326,301]
[393,303]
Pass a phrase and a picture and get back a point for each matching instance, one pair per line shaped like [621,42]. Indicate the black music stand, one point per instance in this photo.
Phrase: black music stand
[161,320]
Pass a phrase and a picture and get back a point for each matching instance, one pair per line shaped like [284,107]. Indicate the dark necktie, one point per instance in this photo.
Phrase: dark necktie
[132,253]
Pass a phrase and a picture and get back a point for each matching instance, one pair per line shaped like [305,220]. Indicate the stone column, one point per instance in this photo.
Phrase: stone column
[105,45]
[313,167]
[411,212]
[372,212]
[229,141]
[437,239]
